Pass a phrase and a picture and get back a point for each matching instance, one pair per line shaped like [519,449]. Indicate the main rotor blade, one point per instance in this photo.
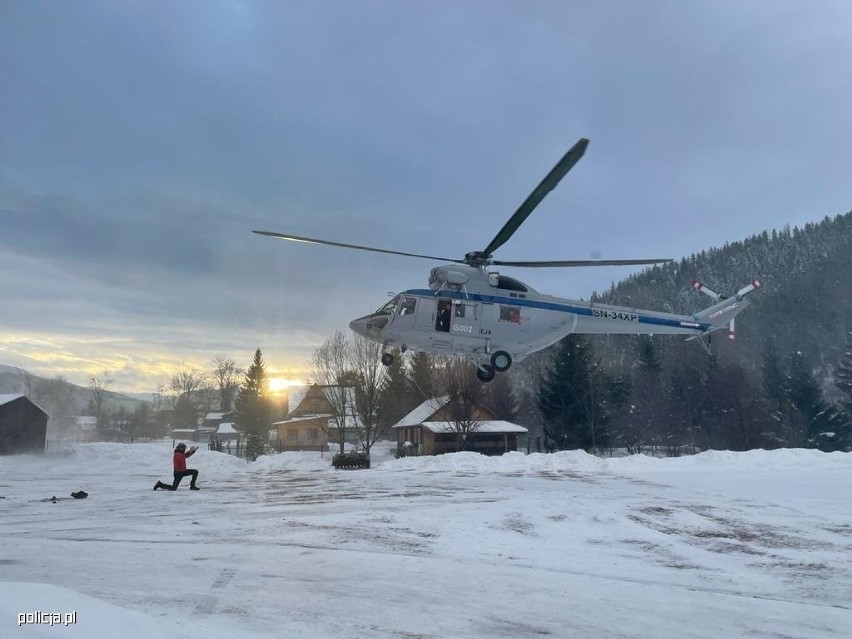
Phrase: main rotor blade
[310,240]
[546,186]
[582,263]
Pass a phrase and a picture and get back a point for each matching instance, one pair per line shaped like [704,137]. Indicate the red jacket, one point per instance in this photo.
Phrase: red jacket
[180,459]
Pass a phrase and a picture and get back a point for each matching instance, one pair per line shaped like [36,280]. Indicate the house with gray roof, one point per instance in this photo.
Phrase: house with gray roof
[313,417]
[433,428]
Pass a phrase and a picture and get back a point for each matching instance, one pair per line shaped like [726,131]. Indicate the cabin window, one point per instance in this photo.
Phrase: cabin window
[467,311]
[510,314]
[292,434]
[313,434]
[408,306]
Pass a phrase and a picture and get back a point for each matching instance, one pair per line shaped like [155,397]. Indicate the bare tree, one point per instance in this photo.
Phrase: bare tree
[226,376]
[464,391]
[330,368]
[160,418]
[185,384]
[159,397]
[98,384]
[371,375]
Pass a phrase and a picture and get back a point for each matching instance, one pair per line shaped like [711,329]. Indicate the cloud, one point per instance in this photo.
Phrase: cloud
[140,143]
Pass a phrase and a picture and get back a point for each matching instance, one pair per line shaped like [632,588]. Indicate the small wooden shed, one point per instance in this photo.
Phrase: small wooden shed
[23,425]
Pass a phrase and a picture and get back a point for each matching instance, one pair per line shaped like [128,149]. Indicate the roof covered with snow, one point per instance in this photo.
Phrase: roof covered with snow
[493,426]
[423,412]
[226,428]
[350,422]
[10,397]
[297,420]
[330,393]
[295,395]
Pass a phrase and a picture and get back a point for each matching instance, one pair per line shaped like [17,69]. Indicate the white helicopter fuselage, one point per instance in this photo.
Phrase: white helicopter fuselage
[488,312]
[494,319]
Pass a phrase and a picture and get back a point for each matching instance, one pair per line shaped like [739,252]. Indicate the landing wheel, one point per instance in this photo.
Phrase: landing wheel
[501,361]
[387,359]
[485,373]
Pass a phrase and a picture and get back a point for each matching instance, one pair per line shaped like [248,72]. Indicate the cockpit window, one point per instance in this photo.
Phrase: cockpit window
[409,304]
[388,308]
[510,284]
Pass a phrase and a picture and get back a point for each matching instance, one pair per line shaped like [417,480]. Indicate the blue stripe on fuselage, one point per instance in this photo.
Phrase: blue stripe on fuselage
[553,306]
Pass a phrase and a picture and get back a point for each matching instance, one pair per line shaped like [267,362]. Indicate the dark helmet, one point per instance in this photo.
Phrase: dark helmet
[180,446]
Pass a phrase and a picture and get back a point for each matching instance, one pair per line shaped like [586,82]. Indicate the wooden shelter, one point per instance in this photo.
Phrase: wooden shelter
[23,425]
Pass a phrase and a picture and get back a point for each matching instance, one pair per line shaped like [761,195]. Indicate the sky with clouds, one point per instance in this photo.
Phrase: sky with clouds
[141,142]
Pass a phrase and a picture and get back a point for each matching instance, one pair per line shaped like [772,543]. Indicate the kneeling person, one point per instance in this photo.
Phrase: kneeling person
[181,471]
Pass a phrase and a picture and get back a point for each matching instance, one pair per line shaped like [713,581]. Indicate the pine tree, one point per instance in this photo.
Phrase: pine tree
[500,398]
[620,393]
[649,397]
[843,383]
[422,377]
[816,421]
[686,394]
[252,408]
[844,376]
[395,399]
[568,400]
[649,356]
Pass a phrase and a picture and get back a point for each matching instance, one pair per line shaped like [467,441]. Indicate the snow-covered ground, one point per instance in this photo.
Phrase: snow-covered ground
[755,544]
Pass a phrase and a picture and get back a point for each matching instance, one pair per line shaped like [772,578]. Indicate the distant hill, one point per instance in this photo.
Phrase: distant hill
[57,396]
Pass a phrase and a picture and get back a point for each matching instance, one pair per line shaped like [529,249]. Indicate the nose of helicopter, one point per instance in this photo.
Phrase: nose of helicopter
[359,325]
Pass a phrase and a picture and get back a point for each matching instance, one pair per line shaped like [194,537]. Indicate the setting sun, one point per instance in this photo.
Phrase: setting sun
[278,384]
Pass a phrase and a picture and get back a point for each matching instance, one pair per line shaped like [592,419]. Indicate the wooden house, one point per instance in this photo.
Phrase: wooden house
[433,428]
[23,425]
[312,419]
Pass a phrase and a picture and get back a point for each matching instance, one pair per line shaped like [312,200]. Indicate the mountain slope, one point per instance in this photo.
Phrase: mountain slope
[805,304]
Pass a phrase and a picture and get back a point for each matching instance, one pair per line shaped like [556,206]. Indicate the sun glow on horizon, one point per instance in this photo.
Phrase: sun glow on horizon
[280,384]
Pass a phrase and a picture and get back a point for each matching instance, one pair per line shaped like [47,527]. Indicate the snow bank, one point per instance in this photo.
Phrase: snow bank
[156,457]
[514,462]
[41,611]
[296,460]
[580,461]
[726,460]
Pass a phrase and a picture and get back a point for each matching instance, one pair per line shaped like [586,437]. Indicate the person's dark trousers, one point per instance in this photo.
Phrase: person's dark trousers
[179,475]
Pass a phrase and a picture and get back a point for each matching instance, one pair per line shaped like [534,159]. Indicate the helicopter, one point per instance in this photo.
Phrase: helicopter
[471,309]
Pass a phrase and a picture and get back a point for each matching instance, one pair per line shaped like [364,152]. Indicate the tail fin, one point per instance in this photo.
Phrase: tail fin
[723,312]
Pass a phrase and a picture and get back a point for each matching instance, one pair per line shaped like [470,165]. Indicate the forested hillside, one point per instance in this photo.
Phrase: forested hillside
[805,305]
[780,383]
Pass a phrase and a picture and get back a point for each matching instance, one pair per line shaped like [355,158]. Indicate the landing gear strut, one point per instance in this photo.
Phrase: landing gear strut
[485,372]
